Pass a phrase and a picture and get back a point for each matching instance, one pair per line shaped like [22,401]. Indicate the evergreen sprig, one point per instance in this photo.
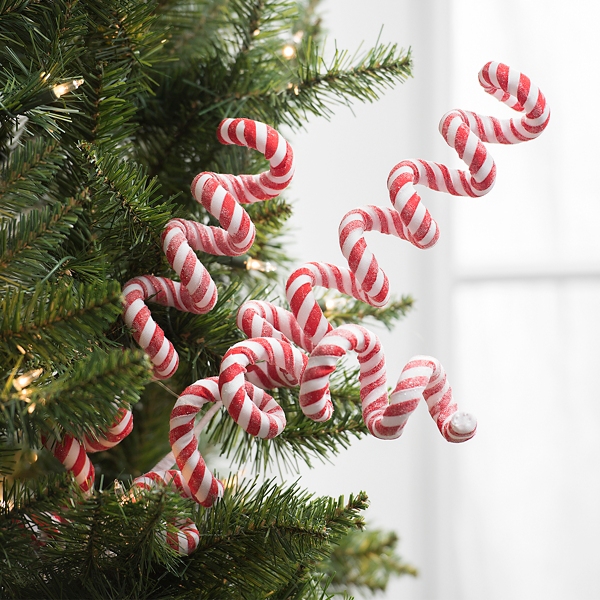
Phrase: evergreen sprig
[28,245]
[259,541]
[365,560]
[25,174]
[128,212]
[57,321]
[85,399]
[277,533]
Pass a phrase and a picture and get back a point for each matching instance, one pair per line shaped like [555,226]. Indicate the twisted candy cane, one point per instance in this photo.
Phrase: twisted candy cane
[422,376]
[221,196]
[409,220]
[204,487]
[72,453]
[184,540]
[465,131]
[258,414]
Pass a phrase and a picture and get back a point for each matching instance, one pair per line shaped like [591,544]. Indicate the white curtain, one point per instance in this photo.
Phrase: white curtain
[507,300]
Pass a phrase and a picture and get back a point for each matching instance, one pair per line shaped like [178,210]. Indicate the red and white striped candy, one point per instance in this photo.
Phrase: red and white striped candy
[183,535]
[252,408]
[72,453]
[203,487]
[306,324]
[117,432]
[422,377]
[222,196]
[465,131]
[304,306]
[146,332]
[257,318]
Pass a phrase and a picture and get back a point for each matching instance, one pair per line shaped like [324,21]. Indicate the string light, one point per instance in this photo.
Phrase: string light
[253,264]
[22,381]
[64,88]
[288,51]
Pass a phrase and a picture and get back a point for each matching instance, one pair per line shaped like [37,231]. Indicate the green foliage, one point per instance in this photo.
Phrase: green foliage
[28,245]
[365,561]
[259,541]
[57,323]
[88,181]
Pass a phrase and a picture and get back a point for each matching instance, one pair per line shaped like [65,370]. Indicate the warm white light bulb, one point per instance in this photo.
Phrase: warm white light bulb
[22,381]
[64,88]
[253,264]
[288,51]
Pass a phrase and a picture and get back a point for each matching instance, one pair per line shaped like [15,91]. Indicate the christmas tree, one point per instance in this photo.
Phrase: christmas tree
[109,110]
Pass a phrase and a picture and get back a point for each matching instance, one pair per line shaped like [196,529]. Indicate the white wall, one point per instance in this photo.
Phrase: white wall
[507,300]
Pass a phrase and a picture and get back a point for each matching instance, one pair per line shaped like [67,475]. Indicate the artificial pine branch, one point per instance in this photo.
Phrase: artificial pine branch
[365,560]
[27,244]
[128,214]
[25,172]
[340,310]
[56,320]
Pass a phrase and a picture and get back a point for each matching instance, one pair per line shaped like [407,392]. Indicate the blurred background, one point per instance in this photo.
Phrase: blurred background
[507,300]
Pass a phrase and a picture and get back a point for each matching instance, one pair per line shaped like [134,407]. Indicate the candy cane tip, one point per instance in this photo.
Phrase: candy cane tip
[463,423]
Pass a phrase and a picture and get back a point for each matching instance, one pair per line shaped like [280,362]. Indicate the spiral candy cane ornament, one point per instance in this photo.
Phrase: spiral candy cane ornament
[222,196]
[465,131]
[422,376]
[306,324]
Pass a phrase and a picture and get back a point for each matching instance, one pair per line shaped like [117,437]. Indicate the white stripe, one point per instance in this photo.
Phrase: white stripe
[470,148]
[315,408]
[513,83]
[243,418]
[216,202]
[170,235]
[280,153]
[295,286]
[485,169]
[282,178]
[180,257]
[430,234]
[133,287]
[261,137]
[132,310]
[224,128]
[160,356]
[205,485]
[417,218]
[200,183]
[539,120]
[492,75]
[190,465]
[196,279]
[72,455]
[378,286]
